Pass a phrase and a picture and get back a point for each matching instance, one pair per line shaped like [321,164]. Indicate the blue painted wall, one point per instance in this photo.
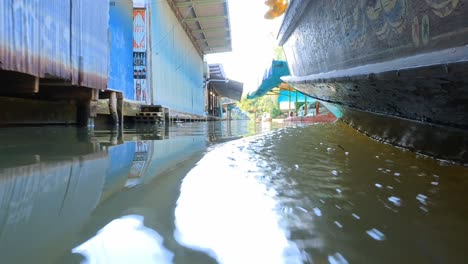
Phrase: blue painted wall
[176,67]
[121,47]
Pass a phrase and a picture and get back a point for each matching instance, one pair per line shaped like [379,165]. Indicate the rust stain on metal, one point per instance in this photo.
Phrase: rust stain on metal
[68,38]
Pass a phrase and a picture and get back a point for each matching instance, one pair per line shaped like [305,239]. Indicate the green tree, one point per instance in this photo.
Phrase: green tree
[256,107]
[278,53]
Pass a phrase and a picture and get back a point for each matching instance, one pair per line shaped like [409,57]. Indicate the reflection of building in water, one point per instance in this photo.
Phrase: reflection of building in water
[49,190]
[166,154]
[43,204]
[121,161]
[140,158]
[226,131]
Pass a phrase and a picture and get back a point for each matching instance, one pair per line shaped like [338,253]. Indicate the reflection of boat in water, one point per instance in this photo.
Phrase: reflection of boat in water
[395,70]
[312,113]
[266,117]
[323,118]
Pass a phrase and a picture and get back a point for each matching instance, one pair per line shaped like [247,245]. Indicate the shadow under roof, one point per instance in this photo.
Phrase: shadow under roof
[206,23]
[223,86]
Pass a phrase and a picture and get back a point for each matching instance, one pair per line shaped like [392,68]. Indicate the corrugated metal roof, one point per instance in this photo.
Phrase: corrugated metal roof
[271,78]
[206,22]
[216,71]
[229,88]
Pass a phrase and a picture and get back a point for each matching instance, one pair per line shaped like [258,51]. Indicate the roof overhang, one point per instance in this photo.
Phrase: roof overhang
[271,79]
[206,22]
[223,86]
[230,89]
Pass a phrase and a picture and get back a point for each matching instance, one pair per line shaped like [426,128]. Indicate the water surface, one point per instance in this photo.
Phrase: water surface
[226,193]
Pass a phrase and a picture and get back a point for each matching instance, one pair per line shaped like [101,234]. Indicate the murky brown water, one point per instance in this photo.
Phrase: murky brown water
[294,194]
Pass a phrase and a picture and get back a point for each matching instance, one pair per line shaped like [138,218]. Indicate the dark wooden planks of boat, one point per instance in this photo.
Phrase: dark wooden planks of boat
[396,70]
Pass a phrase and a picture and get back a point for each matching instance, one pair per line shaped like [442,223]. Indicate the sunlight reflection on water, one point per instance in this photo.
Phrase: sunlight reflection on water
[125,240]
[234,217]
[291,197]
[288,195]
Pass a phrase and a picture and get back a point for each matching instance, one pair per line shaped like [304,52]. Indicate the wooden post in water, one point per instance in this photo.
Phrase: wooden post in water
[120,109]
[87,109]
[305,106]
[295,106]
[113,108]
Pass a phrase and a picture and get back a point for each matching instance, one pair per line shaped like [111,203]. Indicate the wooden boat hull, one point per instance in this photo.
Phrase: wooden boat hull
[327,118]
[396,70]
[438,141]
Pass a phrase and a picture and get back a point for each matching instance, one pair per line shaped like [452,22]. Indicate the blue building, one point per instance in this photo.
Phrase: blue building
[178,36]
[76,61]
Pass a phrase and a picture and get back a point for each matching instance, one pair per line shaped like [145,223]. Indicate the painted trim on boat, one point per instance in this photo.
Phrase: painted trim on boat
[442,58]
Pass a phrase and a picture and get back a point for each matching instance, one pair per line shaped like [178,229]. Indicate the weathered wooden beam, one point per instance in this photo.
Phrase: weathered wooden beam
[103,107]
[120,109]
[87,108]
[113,108]
[210,30]
[217,47]
[213,39]
[131,109]
[19,84]
[199,3]
[202,19]
[17,111]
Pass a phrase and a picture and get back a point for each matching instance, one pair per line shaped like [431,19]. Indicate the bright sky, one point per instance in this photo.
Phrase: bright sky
[253,40]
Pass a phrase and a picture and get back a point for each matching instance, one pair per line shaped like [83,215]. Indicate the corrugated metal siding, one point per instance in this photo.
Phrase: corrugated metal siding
[121,51]
[90,42]
[56,38]
[177,69]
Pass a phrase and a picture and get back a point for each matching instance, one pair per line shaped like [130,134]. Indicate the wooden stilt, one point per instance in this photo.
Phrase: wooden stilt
[305,106]
[113,108]
[87,109]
